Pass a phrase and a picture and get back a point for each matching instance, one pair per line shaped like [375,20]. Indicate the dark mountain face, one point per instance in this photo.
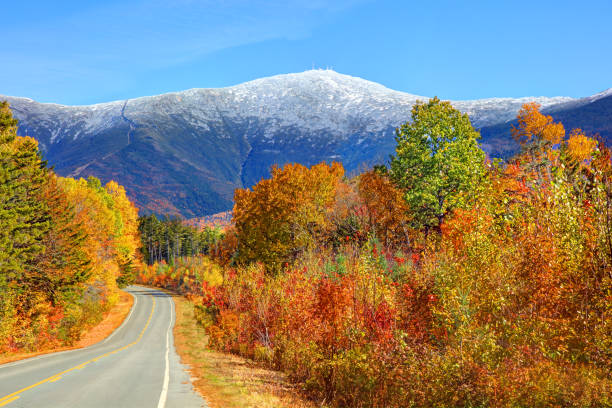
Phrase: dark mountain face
[185,153]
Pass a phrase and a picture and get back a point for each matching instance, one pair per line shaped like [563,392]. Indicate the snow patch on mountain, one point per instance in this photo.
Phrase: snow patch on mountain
[600,95]
[319,101]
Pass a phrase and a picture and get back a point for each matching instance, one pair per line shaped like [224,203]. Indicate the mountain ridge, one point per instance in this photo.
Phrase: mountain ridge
[257,81]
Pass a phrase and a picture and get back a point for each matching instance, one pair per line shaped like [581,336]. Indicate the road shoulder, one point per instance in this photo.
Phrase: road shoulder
[226,380]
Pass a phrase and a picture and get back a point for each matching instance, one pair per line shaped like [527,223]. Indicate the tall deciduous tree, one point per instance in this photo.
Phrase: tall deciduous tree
[387,212]
[438,162]
[127,237]
[64,264]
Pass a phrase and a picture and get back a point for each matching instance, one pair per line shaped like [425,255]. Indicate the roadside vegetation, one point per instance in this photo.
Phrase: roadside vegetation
[110,321]
[228,380]
[443,280]
[66,246]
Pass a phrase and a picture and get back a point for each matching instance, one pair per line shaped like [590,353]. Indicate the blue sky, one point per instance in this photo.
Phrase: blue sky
[81,52]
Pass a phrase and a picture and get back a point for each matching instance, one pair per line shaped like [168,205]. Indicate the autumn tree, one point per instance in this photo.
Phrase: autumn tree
[537,135]
[545,148]
[282,215]
[438,162]
[224,249]
[64,265]
[386,210]
[112,230]
[126,235]
[580,148]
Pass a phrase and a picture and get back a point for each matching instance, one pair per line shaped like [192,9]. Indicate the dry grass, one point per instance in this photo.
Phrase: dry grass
[226,380]
[102,330]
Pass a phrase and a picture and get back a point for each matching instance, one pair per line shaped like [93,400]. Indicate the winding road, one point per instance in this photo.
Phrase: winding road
[136,366]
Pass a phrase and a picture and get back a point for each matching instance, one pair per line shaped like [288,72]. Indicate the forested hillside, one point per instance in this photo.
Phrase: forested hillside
[65,247]
[442,280]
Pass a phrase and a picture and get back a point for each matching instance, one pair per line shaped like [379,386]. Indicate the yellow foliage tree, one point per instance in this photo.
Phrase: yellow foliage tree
[281,216]
[580,147]
[110,221]
[545,145]
[127,237]
[537,127]
[98,220]
[538,135]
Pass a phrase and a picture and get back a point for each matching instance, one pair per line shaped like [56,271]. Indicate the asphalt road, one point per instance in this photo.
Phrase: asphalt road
[136,366]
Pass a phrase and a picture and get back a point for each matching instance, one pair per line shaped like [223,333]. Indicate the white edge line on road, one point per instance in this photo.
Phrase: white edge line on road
[51,354]
[125,321]
[164,393]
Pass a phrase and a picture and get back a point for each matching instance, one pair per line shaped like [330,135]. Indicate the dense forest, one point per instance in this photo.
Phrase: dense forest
[444,279]
[171,238]
[66,246]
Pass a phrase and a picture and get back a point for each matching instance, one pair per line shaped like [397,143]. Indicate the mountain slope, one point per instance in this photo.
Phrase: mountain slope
[185,152]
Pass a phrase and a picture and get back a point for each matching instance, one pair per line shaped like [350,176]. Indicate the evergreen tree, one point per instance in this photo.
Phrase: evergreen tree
[24,218]
[171,238]
[8,124]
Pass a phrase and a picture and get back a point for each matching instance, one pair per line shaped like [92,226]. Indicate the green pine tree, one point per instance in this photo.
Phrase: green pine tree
[24,217]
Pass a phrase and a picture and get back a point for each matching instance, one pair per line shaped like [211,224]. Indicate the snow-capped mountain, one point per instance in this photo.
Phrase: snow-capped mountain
[185,152]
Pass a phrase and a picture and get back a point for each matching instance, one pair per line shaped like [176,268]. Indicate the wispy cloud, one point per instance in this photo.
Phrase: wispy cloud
[162,33]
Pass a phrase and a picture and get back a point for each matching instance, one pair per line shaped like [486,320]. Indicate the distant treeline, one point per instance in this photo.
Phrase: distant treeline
[170,238]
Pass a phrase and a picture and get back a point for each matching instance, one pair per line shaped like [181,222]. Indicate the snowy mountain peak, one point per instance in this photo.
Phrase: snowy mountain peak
[320,100]
[314,100]
[323,81]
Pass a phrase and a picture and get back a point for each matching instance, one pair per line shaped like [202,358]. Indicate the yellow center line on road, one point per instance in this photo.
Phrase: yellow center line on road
[15,395]
[8,401]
